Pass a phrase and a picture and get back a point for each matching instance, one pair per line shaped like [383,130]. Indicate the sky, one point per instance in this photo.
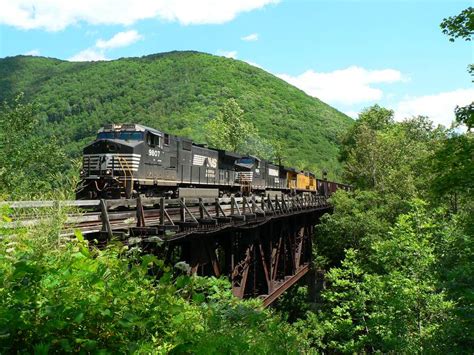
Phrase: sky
[350,54]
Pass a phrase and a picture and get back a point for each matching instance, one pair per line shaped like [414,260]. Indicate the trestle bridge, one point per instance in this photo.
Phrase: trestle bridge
[263,245]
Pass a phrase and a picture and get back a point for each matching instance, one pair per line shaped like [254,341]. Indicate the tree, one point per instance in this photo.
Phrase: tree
[28,163]
[358,219]
[229,130]
[386,297]
[459,26]
[389,156]
[452,171]
[465,115]
[375,118]
[462,26]
[453,164]
[398,276]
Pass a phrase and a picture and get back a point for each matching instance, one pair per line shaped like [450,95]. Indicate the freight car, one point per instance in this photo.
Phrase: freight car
[130,159]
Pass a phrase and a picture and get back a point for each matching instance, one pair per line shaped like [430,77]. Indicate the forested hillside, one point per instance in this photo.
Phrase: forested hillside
[393,261]
[178,92]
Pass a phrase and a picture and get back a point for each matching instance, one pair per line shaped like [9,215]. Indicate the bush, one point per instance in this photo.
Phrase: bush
[64,295]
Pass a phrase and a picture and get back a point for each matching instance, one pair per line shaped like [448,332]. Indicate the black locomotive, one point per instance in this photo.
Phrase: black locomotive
[130,159]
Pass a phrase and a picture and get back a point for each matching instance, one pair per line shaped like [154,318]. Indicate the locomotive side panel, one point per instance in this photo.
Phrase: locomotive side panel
[184,158]
[151,169]
[259,176]
[291,176]
[227,173]
[170,162]
[273,177]
[205,165]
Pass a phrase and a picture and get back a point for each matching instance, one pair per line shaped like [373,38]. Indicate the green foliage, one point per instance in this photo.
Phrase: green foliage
[177,92]
[459,26]
[359,218]
[452,170]
[374,118]
[465,115]
[29,163]
[387,298]
[293,304]
[390,157]
[462,26]
[456,275]
[398,270]
[230,131]
[67,296]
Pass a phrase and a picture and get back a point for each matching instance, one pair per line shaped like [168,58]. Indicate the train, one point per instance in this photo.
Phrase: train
[128,160]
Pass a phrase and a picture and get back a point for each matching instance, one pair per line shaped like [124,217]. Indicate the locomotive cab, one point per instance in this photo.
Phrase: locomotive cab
[112,161]
[113,152]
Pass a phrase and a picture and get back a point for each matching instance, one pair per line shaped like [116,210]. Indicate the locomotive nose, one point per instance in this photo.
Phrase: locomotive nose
[104,146]
[111,147]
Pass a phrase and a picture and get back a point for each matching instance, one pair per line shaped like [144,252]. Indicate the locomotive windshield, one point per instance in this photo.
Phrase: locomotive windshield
[246,161]
[123,135]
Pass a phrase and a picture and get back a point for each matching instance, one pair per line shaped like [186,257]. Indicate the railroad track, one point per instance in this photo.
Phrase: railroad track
[171,217]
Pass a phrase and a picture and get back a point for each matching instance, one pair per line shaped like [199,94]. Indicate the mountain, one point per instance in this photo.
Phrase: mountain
[177,92]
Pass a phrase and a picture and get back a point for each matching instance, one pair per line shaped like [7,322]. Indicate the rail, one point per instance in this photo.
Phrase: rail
[161,216]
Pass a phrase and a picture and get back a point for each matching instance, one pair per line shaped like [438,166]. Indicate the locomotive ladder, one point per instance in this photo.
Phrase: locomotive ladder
[128,176]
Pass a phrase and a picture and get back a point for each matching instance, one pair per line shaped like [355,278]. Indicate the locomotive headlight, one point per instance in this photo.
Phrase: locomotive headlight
[108,172]
[82,172]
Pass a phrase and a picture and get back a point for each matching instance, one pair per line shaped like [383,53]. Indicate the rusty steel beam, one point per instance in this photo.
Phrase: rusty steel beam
[275,258]
[265,268]
[278,291]
[240,274]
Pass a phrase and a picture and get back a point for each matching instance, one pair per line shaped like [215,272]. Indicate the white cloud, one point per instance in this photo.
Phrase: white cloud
[91,33]
[438,107]
[352,114]
[88,55]
[346,86]
[121,39]
[33,52]
[55,15]
[250,37]
[227,54]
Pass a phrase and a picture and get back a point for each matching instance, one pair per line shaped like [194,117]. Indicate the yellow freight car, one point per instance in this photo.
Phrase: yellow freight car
[302,181]
[291,178]
[312,182]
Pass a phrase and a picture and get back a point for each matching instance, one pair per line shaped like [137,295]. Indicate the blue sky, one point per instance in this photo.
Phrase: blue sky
[350,54]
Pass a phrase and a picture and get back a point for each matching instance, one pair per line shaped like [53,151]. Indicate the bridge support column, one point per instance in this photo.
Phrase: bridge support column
[261,257]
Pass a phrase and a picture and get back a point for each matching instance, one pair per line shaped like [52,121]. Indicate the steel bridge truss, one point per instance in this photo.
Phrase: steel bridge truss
[261,259]
[261,244]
